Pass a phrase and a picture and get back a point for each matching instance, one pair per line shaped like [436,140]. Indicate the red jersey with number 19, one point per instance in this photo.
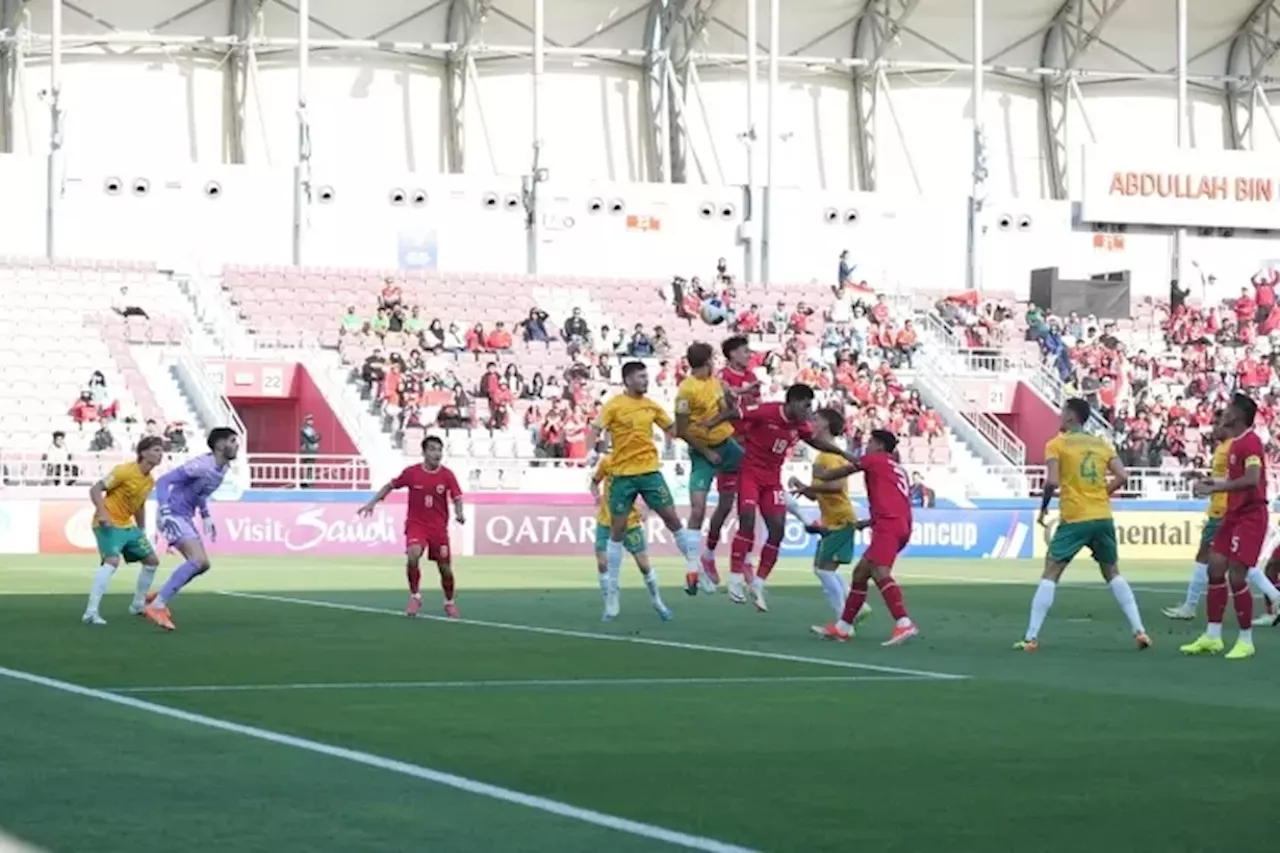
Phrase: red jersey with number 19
[768,438]
[430,493]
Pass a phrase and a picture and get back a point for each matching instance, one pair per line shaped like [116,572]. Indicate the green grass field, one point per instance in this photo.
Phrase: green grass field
[308,715]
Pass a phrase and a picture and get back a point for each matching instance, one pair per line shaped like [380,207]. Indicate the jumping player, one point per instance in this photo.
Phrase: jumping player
[629,418]
[432,487]
[119,526]
[1238,542]
[888,494]
[712,452]
[633,540]
[769,432]
[1081,463]
[837,520]
[182,493]
[741,388]
[1217,509]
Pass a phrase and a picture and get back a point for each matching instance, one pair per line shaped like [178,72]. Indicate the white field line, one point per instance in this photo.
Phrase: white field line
[538,682]
[426,774]
[614,638]
[1032,581]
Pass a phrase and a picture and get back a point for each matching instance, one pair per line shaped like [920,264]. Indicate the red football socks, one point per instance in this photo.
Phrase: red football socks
[852,604]
[446,584]
[415,578]
[1242,597]
[892,595]
[1215,602]
[768,557]
[738,552]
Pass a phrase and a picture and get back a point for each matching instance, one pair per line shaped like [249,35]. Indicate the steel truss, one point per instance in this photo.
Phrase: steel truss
[873,35]
[1252,49]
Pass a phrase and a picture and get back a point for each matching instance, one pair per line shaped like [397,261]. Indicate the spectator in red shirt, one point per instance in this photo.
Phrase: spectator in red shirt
[1246,308]
[491,381]
[880,311]
[83,410]
[499,340]
[930,423]
[1264,288]
[799,322]
[390,296]
[749,322]
[907,342]
[476,338]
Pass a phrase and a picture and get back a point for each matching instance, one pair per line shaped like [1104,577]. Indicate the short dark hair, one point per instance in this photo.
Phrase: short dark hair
[731,345]
[834,420]
[57,434]
[219,434]
[799,393]
[430,440]
[1079,407]
[148,442]
[631,368]
[1244,404]
[887,440]
[699,355]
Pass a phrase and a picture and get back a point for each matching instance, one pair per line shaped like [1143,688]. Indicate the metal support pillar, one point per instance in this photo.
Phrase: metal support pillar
[1253,48]
[683,25]
[302,171]
[873,35]
[771,139]
[1077,25]
[751,219]
[55,165]
[10,56]
[238,78]
[655,90]
[1179,265]
[537,174]
[978,193]
[464,27]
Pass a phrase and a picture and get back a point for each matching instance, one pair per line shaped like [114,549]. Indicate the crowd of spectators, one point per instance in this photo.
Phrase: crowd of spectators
[1159,379]
[848,348]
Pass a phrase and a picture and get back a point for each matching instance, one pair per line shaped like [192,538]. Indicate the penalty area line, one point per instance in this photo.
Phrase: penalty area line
[521,682]
[426,774]
[614,638]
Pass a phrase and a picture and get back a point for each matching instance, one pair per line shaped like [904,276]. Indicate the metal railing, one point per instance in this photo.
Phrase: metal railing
[933,375]
[264,470]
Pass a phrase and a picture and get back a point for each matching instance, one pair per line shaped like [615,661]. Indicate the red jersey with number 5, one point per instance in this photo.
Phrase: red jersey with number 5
[888,491]
[430,493]
[737,382]
[768,438]
[1247,452]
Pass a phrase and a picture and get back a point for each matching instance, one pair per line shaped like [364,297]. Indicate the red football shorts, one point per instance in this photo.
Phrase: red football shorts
[888,540]
[761,492]
[433,541]
[1240,538]
[727,483]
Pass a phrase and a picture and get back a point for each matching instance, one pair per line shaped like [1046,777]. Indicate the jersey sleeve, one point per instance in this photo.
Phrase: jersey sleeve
[402,479]
[115,477]
[605,419]
[1053,450]
[1253,451]
[683,404]
[455,490]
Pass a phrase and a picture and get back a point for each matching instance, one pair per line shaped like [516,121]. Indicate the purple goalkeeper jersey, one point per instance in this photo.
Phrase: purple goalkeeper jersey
[187,488]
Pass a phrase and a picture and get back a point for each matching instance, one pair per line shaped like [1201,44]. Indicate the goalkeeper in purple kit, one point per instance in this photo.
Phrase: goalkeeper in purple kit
[181,494]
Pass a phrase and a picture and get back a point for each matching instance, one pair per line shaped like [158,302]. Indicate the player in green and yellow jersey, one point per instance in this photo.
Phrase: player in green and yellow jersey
[1217,509]
[1087,470]
[713,455]
[119,525]
[629,419]
[633,540]
[837,520]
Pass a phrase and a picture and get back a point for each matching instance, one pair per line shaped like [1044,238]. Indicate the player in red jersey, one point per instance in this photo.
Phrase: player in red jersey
[769,433]
[888,494]
[432,487]
[741,388]
[1238,542]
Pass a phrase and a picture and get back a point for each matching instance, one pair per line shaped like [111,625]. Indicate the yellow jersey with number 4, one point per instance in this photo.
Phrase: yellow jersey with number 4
[1082,474]
[127,492]
[1218,500]
[604,476]
[629,422]
[700,399]
[835,507]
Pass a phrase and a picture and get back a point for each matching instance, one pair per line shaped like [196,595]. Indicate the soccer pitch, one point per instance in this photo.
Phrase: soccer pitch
[295,709]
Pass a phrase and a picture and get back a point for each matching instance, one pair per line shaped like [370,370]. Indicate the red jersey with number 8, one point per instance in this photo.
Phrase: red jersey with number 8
[888,491]
[768,438]
[430,494]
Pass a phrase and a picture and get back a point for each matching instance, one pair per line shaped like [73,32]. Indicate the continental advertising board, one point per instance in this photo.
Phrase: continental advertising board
[505,525]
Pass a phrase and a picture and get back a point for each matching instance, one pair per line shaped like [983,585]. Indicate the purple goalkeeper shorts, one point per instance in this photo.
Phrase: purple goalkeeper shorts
[177,530]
